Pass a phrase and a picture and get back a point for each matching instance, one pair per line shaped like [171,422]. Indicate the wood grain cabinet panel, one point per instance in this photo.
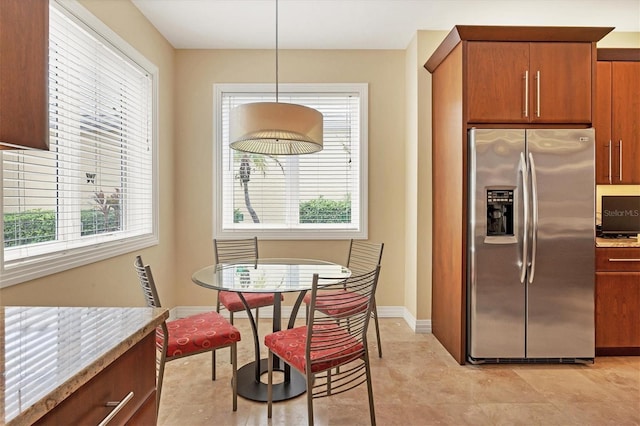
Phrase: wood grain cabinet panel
[625,106]
[24,74]
[617,301]
[602,124]
[520,82]
[134,371]
[617,122]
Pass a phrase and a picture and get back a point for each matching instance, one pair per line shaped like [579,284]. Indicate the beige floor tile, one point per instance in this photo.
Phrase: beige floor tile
[416,383]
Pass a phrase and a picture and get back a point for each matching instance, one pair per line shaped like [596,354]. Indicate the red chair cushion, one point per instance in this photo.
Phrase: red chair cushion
[198,333]
[289,345]
[339,303]
[232,302]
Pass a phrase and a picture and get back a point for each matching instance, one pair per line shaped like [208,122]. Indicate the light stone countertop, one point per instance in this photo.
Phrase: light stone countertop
[46,353]
[617,242]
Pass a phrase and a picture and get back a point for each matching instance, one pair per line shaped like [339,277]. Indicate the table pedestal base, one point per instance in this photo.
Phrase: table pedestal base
[251,388]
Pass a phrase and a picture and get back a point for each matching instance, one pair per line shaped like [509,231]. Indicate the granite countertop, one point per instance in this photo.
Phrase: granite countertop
[46,353]
[617,242]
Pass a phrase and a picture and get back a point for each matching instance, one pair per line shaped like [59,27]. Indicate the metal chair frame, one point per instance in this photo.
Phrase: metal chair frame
[363,256]
[153,301]
[230,251]
[336,352]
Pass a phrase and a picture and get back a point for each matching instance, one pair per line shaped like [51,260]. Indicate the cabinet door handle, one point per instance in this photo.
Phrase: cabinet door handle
[526,94]
[620,160]
[610,177]
[624,260]
[118,406]
[538,94]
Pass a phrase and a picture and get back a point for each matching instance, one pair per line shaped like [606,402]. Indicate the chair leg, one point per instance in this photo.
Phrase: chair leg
[213,364]
[159,382]
[372,411]
[234,377]
[257,310]
[231,321]
[269,384]
[310,397]
[375,320]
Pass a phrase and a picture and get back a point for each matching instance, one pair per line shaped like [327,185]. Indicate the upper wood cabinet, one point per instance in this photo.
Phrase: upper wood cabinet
[520,82]
[617,117]
[24,74]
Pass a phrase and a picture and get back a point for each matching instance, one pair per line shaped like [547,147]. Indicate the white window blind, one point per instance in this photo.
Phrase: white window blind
[320,195]
[91,195]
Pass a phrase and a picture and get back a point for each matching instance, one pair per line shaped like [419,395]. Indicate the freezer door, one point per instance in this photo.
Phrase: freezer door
[496,294]
[560,293]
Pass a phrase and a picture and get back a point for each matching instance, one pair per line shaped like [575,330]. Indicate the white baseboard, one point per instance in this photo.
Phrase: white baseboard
[418,326]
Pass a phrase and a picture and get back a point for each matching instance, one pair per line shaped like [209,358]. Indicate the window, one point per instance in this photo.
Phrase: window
[311,196]
[92,195]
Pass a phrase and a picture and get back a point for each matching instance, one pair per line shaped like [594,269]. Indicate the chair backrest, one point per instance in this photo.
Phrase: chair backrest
[147,283]
[230,251]
[364,256]
[341,328]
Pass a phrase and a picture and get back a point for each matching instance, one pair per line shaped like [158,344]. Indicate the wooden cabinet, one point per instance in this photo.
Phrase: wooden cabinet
[478,79]
[617,117]
[133,373]
[520,82]
[617,301]
[24,74]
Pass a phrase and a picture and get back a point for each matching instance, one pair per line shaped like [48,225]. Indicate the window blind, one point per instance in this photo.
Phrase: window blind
[296,195]
[95,184]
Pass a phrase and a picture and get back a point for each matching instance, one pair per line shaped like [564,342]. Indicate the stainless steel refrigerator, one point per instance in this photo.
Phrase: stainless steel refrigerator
[530,282]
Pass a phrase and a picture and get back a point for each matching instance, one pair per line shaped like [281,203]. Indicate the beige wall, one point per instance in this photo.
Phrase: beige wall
[113,282]
[399,167]
[417,296]
[620,39]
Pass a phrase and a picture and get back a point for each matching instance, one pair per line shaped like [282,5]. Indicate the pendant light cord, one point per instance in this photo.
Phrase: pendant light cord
[276,51]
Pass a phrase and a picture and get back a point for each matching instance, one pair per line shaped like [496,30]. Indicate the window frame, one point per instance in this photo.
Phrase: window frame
[42,264]
[283,233]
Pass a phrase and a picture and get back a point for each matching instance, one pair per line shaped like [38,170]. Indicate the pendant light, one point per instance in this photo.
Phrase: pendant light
[275,128]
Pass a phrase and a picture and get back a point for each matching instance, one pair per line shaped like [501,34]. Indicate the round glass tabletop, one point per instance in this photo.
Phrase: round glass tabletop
[268,275]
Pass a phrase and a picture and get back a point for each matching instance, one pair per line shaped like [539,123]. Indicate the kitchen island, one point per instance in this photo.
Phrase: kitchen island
[72,365]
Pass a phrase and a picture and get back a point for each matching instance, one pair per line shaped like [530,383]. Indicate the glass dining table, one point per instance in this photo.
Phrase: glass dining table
[273,275]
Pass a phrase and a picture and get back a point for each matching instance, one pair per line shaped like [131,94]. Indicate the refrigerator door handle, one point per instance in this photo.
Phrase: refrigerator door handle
[534,214]
[525,227]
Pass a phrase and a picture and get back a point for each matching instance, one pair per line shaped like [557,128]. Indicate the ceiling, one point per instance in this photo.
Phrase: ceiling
[362,24]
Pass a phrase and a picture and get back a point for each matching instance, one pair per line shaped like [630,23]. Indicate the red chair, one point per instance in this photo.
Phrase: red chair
[235,251]
[333,355]
[363,256]
[192,335]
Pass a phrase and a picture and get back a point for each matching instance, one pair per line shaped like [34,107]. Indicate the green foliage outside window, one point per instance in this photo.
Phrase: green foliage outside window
[322,210]
[38,226]
[29,227]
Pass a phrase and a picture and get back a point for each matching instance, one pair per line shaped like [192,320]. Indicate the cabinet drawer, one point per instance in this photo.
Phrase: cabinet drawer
[618,259]
[133,372]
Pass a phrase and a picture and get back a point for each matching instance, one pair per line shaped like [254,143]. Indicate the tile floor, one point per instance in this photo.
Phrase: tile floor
[417,383]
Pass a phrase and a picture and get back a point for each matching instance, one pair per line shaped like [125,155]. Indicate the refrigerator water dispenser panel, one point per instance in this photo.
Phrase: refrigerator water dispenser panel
[499,212]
